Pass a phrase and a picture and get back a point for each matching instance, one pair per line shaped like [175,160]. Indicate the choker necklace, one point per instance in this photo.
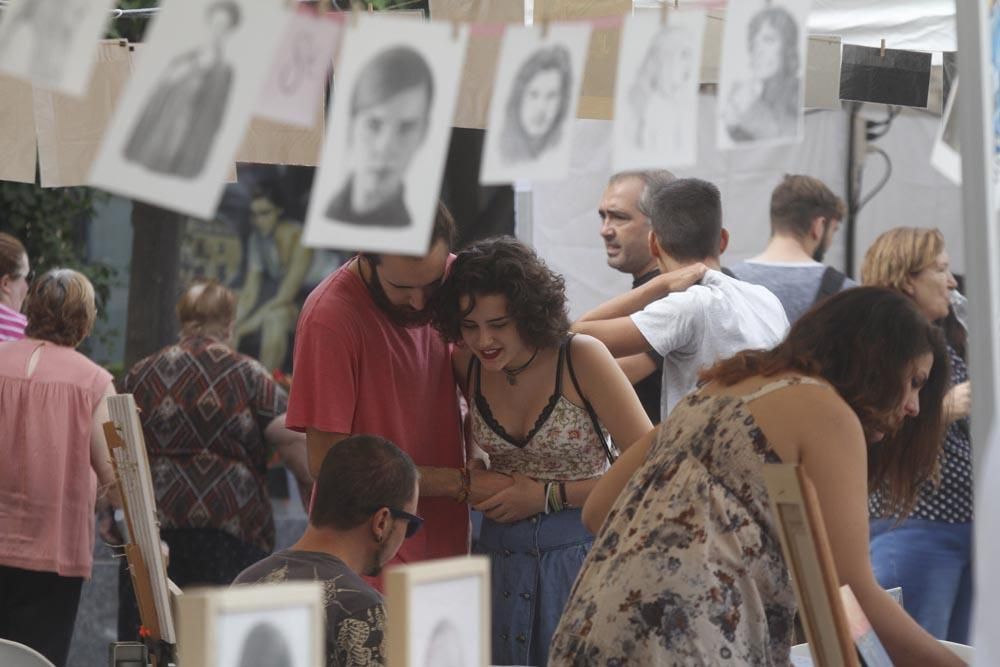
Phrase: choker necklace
[512,373]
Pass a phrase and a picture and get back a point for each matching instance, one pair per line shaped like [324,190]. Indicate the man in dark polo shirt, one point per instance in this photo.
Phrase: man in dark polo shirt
[625,230]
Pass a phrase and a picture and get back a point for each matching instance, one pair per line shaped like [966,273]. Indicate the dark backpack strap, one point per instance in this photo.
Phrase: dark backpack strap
[831,283]
[727,271]
[608,450]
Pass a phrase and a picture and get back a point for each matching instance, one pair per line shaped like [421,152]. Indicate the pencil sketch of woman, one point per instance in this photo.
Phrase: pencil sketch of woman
[177,129]
[36,36]
[661,92]
[538,104]
[767,105]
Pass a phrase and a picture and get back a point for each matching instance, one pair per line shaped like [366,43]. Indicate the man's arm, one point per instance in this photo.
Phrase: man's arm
[434,481]
[610,322]
[637,367]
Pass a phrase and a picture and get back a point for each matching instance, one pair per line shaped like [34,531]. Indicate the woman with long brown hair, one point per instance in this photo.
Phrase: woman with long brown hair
[928,551]
[687,568]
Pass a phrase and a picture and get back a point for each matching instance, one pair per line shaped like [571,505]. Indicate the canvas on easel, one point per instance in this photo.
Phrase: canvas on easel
[810,562]
[145,557]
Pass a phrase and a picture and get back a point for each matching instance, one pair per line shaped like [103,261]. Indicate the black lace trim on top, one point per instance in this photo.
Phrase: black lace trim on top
[496,427]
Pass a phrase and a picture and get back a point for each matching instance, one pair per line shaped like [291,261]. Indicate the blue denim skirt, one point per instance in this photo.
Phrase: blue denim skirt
[534,563]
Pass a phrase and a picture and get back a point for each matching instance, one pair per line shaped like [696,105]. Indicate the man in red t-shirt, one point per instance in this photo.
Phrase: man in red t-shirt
[368,361]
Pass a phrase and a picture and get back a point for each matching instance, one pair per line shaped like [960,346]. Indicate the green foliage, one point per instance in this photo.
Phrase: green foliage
[50,222]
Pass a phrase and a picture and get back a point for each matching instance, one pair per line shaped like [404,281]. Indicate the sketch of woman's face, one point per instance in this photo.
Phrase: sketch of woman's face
[220,23]
[540,102]
[765,51]
[676,67]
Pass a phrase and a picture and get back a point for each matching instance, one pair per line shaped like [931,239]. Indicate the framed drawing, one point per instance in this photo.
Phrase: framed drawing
[439,613]
[272,625]
[807,552]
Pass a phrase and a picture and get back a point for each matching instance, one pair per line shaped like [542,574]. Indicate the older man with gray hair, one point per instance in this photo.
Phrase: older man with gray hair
[625,229]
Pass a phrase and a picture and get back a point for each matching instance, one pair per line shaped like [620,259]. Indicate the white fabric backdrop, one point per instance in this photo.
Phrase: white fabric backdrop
[564,225]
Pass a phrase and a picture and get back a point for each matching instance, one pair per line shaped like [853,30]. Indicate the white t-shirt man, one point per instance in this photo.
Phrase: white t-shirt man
[705,323]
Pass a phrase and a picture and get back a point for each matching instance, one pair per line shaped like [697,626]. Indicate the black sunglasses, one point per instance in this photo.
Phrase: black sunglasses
[413,522]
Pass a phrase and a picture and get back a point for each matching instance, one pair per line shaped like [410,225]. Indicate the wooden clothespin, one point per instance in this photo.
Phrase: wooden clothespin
[354,15]
[455,30]
[882,49]
[370,8]
[663,12]
[545,26]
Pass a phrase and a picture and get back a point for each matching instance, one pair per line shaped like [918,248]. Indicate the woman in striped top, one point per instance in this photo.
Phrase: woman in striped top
[14,271]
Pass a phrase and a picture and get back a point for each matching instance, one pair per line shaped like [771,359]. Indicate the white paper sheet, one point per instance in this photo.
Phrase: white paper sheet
[52,43]
[176,129]
[656,97]
[763,73]
[535,95]
[394,99]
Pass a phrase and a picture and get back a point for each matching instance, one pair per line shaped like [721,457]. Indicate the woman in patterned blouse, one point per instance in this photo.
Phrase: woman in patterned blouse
[528,384]
[687,567]
[929,554]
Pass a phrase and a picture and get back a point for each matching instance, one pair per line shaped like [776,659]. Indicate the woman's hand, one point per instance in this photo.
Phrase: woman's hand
[958,402]
[524,498]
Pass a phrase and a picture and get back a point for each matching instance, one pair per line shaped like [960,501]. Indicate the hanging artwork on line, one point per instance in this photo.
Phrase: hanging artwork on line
[378,182]
[762,78]
[296,83]
[52,43]
[172,140]
[656,97]
[535,94]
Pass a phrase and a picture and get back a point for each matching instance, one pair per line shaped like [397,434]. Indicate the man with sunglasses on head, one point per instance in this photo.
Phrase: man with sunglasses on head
[364,507]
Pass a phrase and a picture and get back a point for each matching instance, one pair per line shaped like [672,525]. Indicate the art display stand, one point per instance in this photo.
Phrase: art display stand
[146,564]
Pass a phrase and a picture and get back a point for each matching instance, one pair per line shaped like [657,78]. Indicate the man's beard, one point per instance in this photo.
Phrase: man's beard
[820,252]
[402,316]
[375,566]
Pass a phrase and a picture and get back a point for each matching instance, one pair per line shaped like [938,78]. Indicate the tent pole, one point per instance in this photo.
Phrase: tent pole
[982,244]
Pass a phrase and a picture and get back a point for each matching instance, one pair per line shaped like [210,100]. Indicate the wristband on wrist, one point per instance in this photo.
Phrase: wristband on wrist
[562,494]
[548,497]
[463,493]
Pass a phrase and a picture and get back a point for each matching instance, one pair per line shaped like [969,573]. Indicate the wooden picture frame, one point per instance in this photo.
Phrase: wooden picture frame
[438,613]
[810,562]
[223,626]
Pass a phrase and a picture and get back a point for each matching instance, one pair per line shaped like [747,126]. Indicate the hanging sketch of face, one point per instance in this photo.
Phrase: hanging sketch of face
[538,103]
[390,109]
[445,646]
[768,104]
[182,117]
[265,646]
[664,77]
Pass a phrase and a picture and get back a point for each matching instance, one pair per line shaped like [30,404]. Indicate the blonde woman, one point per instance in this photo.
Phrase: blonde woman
[929,554]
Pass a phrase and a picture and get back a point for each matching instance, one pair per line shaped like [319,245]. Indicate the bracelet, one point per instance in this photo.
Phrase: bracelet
[463,493]
[562,494]
[553,502]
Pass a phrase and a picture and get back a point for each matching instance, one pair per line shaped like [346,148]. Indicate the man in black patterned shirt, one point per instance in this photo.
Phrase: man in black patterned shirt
[366,494]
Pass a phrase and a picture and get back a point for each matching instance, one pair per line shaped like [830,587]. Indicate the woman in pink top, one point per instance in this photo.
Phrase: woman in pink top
[54,457]
[14,271]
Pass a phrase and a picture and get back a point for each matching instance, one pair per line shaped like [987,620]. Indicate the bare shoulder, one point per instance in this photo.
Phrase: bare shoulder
[588,348]
[819,414]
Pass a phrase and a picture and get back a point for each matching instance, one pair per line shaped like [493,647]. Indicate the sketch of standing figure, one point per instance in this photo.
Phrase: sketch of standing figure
[661,88]
[36,36]
[179,123]
[768,104]
[389,117]
[537,106]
